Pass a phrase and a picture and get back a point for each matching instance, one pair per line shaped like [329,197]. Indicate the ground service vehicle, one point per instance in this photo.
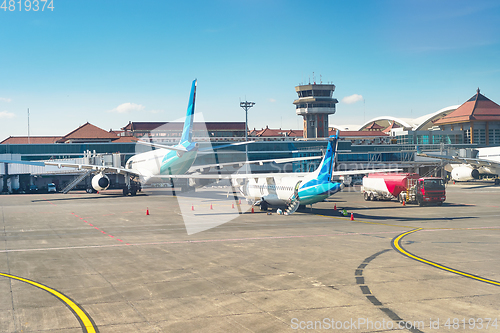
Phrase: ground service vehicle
[406,187]
[51,188]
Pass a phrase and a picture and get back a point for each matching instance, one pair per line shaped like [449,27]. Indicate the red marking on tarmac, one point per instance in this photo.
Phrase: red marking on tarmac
[102,231]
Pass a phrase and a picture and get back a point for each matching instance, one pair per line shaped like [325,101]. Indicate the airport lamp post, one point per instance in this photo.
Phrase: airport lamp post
[246,105]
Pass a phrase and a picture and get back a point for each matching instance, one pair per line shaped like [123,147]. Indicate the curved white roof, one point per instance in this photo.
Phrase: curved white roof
[416,124]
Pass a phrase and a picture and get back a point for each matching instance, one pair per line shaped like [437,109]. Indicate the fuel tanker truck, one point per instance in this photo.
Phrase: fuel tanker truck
[406,187]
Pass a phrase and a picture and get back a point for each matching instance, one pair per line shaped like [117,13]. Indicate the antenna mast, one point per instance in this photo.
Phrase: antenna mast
[29,125]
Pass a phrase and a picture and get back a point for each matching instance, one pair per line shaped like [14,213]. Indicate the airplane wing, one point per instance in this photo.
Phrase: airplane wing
[79,166]
[267,175]
[180,148]
[362,172]
[157,145]
[474,162]
[196,168]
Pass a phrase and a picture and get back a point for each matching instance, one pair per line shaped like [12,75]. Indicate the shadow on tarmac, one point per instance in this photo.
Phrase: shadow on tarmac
[357,215]
[90,197]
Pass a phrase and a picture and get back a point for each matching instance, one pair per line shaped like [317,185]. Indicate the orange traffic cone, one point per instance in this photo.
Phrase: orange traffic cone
[335,207]
[404,203]
[239,202]
[211,206]
[147,211]
[252,209]
[352,216]
[232,205]
[192,207]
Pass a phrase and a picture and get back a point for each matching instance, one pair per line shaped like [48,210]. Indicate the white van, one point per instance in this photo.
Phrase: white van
[51,187]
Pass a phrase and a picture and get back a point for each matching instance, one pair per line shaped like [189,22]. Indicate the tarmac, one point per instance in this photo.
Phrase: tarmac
[98,263]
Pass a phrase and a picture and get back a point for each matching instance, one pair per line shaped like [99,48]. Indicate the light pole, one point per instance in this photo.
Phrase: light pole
[246,105]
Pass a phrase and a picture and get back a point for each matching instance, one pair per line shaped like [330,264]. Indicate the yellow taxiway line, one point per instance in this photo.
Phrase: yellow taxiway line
[396,244]
[84,319]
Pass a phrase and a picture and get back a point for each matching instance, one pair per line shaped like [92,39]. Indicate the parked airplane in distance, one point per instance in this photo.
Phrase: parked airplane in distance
[487,162]
[165,160]
[291,190]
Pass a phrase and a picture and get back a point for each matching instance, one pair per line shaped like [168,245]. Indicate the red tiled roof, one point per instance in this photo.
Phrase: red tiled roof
[268,132]
[32,140]
[358,133]
[127,139]
[88,131]
[391,126]
[477,108]
[295,133]
[211,126]
[271,132]
[374,126]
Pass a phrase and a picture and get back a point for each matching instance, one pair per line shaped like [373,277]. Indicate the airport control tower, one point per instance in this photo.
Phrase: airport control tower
[315,103]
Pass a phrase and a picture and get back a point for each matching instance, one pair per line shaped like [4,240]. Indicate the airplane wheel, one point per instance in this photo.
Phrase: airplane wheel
[264,206]
[372,197]
[365,196]
[125,191]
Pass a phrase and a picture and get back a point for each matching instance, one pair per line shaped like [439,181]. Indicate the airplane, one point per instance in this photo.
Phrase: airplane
[165,160]
[487,161]
[291,190]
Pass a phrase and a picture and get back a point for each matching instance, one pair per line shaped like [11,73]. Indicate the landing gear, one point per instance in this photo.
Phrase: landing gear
[132,187]
[264,206]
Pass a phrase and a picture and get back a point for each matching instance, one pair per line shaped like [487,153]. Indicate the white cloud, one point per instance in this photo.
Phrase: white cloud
[352,99]
[3,99]
[6,115]
[127,108]
[272,100]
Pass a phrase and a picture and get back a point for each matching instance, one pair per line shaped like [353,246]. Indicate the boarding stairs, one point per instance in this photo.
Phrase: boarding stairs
[76,181]
[433,171]
[293,205]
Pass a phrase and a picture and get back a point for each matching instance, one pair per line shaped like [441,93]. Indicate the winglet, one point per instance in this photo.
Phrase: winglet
[187,132]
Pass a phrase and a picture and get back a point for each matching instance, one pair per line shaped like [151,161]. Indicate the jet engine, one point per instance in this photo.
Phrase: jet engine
[100,182]
[463,174]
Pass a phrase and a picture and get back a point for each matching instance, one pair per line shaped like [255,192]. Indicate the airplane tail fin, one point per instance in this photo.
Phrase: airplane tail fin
[187,132]
[327,165]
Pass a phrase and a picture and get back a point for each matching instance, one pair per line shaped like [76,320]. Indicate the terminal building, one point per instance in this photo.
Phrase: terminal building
[383,142]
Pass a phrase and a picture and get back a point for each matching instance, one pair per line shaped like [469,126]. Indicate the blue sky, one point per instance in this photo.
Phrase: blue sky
[110,62]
